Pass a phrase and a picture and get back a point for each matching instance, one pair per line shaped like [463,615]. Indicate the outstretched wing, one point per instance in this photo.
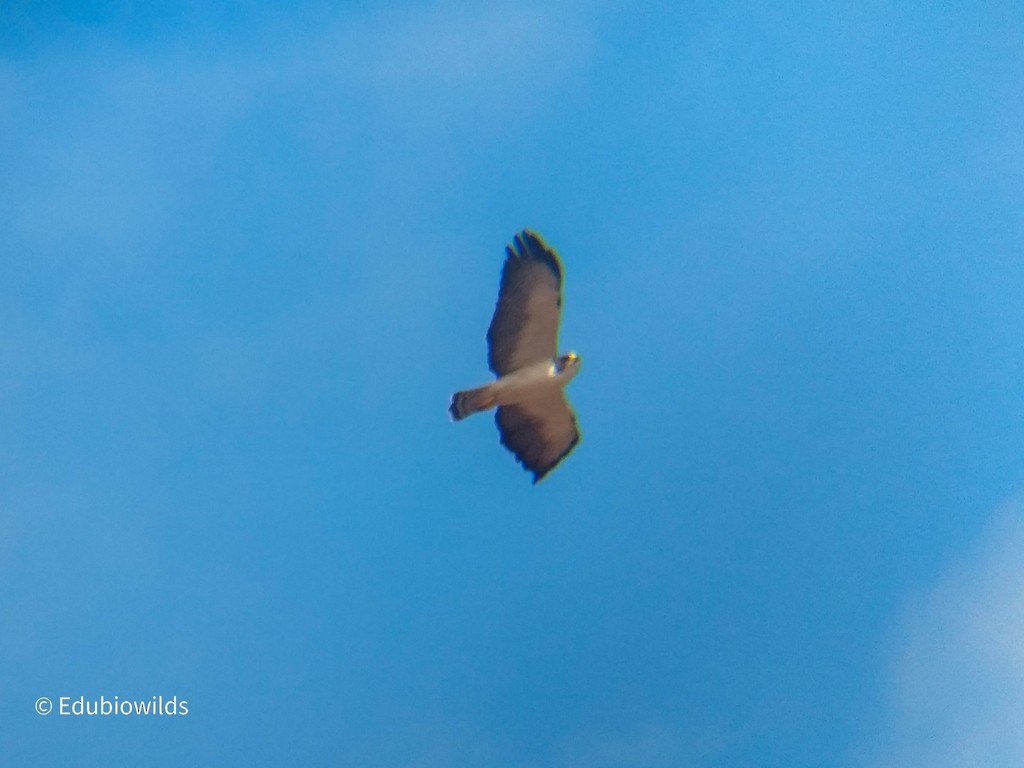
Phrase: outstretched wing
[540,432]
[524,328]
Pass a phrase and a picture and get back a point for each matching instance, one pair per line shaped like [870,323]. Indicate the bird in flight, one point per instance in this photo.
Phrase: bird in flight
[534,419]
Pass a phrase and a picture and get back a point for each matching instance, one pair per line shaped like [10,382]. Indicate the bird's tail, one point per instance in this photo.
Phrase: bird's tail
[470,401]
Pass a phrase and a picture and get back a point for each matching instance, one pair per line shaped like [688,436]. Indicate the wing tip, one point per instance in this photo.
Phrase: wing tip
[540,471]
[530,244]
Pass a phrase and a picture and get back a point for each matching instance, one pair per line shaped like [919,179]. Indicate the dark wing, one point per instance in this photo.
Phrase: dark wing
[524,328]
[539,432]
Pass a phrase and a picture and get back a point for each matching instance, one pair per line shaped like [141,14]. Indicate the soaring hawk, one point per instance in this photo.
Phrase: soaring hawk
[534,418]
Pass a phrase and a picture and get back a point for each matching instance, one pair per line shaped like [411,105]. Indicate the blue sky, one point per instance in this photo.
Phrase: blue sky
[249,252]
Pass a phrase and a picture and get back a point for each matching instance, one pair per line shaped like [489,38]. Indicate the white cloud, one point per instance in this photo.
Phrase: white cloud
[957,698]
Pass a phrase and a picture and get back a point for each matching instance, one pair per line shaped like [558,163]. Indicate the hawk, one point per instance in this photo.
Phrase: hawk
[534,419]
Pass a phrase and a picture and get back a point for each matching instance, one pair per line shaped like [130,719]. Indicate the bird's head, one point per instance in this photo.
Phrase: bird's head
[569,362]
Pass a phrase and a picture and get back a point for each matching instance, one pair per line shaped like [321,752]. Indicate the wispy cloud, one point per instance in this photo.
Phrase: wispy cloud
[957,688]
[505,44]
[103,142]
